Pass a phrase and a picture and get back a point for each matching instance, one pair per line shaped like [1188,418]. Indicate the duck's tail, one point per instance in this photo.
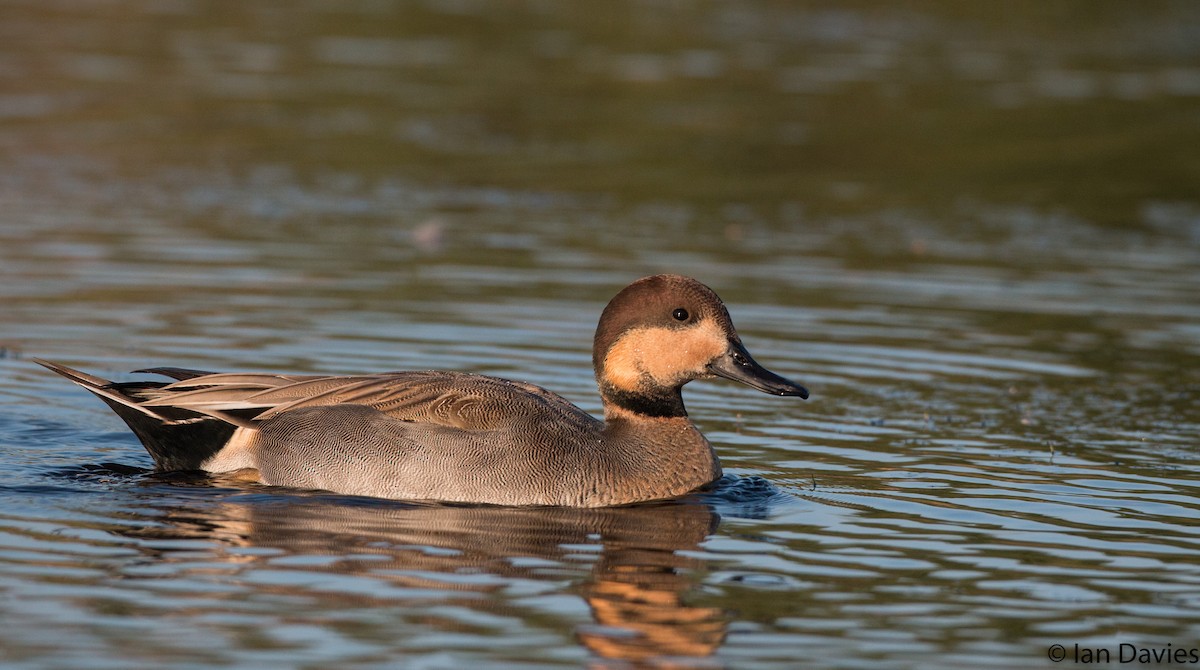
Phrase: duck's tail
[177,439]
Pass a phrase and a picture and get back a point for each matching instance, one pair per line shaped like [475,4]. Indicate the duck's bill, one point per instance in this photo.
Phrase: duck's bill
[738,365]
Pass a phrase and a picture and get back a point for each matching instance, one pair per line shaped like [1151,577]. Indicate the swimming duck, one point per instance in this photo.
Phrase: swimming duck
[462,437]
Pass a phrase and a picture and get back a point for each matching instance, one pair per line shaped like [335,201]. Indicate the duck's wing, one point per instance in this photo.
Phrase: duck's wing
[185,423]
[451,399]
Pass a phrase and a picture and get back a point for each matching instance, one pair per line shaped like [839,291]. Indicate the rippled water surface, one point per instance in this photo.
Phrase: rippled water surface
[973,232]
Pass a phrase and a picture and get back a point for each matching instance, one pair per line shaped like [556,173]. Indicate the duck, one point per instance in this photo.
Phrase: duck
[460,437]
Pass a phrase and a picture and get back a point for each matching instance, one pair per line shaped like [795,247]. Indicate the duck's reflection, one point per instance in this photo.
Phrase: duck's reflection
[630,565]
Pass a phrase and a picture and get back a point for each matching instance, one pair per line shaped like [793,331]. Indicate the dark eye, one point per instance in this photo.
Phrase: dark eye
[680,314]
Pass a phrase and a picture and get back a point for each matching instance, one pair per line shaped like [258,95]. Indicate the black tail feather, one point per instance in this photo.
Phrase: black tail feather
[176,439]
[178,374]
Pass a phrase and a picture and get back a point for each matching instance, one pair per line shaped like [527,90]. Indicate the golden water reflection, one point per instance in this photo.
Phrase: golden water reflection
[629,565]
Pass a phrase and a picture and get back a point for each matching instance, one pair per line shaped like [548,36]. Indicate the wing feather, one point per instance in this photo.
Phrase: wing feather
[452,399]
[263,380]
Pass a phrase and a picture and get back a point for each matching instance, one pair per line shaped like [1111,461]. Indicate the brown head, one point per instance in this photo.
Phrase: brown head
[662,332]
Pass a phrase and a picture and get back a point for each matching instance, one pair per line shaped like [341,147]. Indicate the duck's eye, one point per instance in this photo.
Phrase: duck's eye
[680,314]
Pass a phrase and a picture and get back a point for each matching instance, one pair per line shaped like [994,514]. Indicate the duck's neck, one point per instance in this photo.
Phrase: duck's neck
[661,456]
[657,404]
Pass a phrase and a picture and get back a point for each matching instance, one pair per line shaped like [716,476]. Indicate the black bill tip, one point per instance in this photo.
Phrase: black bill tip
[738,365]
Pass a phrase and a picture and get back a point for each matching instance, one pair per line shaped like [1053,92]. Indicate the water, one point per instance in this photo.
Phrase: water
[973,233]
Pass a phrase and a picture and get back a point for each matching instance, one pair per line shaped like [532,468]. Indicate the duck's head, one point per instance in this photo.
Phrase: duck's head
[662,332]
